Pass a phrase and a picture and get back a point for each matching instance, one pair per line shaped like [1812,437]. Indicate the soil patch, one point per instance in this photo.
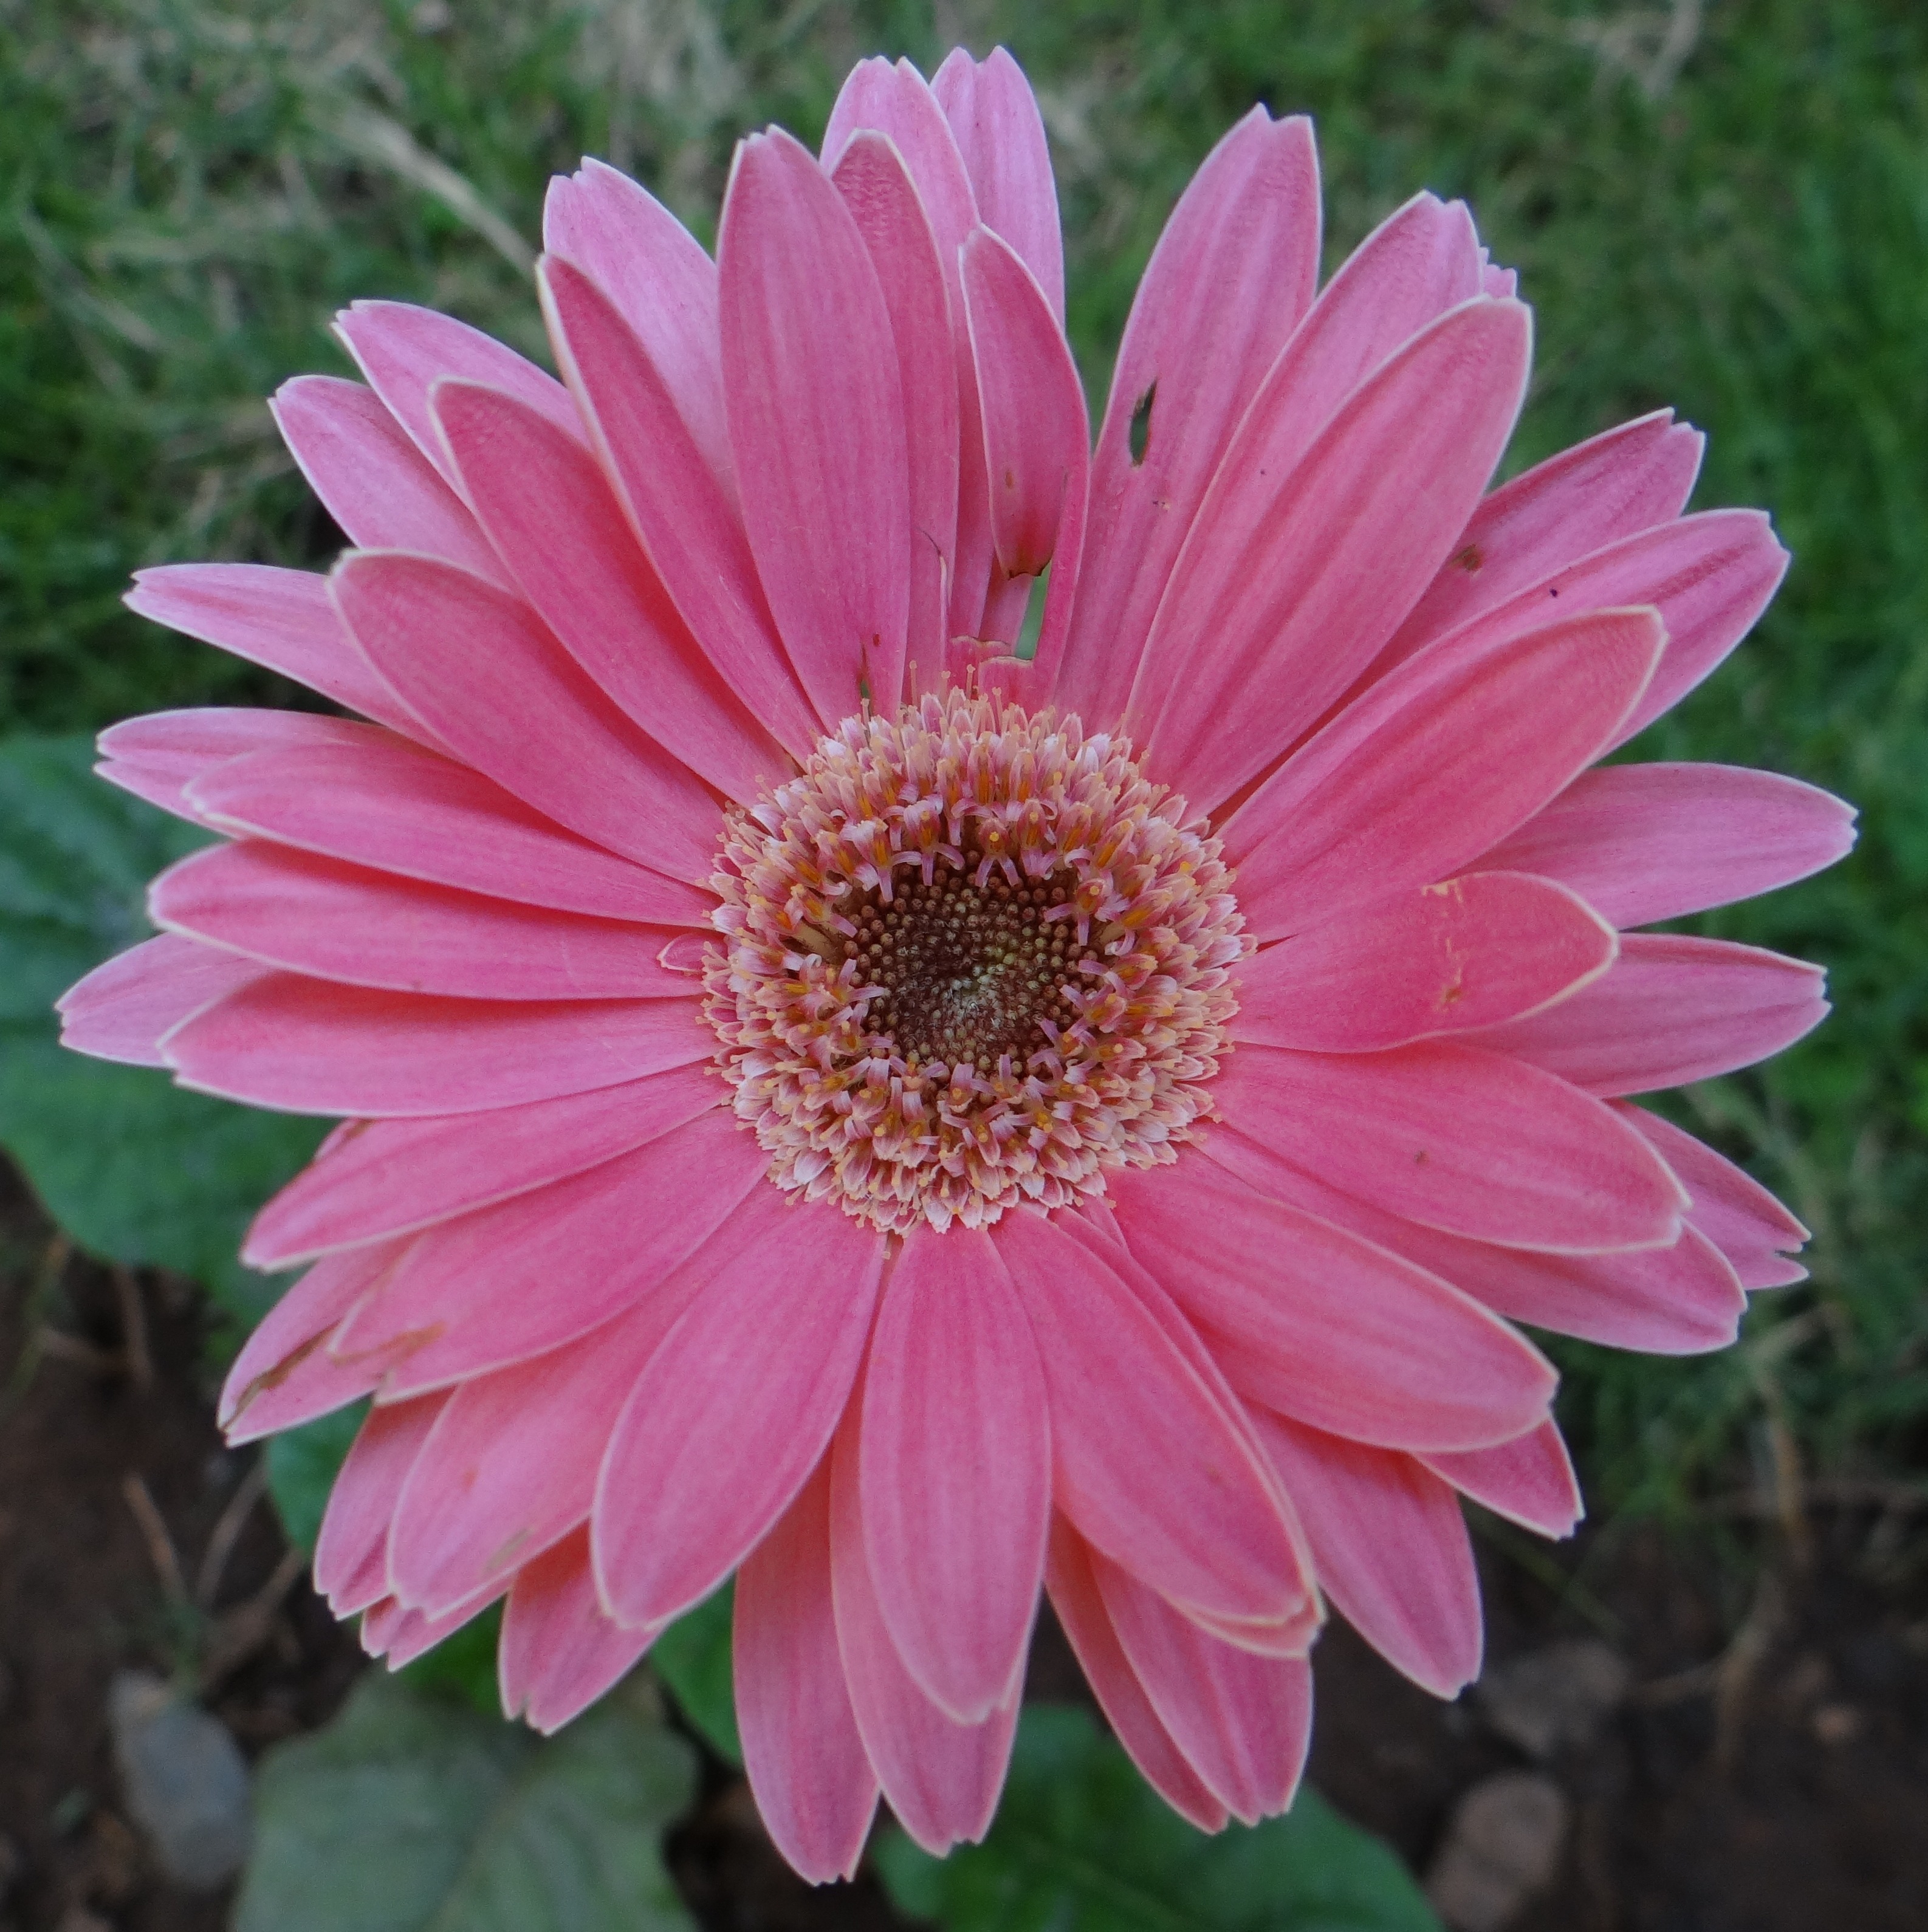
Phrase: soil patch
[82,1420]
[1767,1772]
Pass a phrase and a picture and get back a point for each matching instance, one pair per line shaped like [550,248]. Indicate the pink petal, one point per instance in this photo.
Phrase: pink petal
[549,509]
[663,284]
[875,185]
[1731,1207]
[1529,1480]
[307,1313]
[395,1177]
[1037,438]
[306,1046]
[816,417]
[1081,1611]
[351,1554]
[1619,483]
[1006,601]
[1098,1228]
[1291,1636]
[1421,263]
[994,115]
[956,1471]
[1680,1300]
[399,1635]
[506,1283]
[1402,281]
[153,782]
[1391,1549]
[1291,583]
[365,928]
[1642,843]
[815,1791]
[1307,1318]
[121,1008]
[1244,1722]
[510,1467]
[494,683]
[372,800]
[384,1620]
[1454,1137]
[1710,602]
[1482,947]
[687,521]
[942,1778]
[282,619]
[1232,274]
[1410,783]
[558,1653]
[896,102]
[736,1408]
[316,1385]
[182,743]
[1709,576]
[374,480]
[1685,1300]
[1673,1010]
[405,351]
[157,757]
[309,1380]
[1146,1462]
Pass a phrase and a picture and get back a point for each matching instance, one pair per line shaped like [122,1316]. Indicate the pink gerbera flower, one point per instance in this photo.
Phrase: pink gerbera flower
[829,1098]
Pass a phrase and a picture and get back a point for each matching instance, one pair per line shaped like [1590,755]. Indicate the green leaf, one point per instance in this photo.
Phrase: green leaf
[136,1169]
[414,1813]
[692,1657]
[1082,1844]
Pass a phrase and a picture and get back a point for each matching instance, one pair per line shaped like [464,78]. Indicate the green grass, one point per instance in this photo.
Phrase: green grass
[1741,231]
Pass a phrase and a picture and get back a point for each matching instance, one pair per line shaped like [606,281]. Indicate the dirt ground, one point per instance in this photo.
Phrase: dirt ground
[1768,1771]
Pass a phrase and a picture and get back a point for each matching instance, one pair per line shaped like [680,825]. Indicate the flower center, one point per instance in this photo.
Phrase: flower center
[966,976]
[970,958]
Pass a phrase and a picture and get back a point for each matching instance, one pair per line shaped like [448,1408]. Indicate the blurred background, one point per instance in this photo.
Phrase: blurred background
[1720,205]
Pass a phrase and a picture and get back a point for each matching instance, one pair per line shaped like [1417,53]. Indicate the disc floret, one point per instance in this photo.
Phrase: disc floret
[971,957]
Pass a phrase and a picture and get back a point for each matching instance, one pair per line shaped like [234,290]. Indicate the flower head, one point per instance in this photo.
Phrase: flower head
[975,962]
[831,1096]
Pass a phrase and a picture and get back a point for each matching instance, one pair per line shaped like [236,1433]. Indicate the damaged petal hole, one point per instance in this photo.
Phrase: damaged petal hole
[1140,436]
